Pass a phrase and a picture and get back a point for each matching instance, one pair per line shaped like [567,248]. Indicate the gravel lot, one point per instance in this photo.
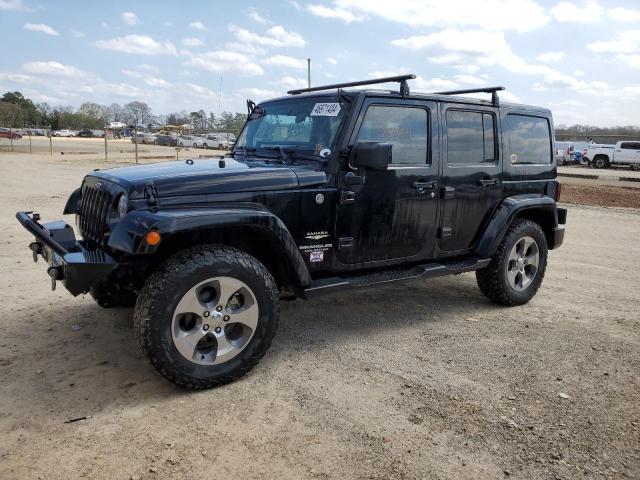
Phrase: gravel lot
[420,380]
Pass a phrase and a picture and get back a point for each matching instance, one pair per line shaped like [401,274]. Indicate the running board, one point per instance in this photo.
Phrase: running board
[426,270]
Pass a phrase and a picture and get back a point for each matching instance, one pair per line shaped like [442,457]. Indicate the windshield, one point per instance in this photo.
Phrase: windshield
[307,124]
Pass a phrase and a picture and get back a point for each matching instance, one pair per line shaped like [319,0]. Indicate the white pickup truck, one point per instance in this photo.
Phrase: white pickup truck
[622,153]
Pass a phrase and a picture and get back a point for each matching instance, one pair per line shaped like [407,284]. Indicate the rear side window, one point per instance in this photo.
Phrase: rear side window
[470,137]
[630,146]
[405,128]
[529,140]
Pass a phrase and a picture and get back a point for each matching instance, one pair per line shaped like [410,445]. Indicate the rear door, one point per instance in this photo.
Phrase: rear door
[472,173]
[395,213]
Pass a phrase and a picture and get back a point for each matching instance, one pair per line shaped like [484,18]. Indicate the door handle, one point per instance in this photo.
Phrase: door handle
[486,182]
[422,186]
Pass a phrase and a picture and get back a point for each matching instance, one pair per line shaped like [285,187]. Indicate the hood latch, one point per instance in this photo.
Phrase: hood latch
[151,194]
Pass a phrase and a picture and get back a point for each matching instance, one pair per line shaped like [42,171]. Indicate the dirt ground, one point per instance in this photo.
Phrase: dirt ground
[414,381]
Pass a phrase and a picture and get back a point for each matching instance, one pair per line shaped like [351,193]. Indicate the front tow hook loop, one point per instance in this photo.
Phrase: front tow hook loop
[56,274]
[36,248]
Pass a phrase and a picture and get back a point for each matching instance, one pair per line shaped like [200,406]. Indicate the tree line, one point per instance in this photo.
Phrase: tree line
[18,111]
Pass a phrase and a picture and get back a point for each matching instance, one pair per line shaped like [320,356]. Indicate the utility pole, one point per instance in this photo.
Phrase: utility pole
[135,136]
[309,72]
[105,142]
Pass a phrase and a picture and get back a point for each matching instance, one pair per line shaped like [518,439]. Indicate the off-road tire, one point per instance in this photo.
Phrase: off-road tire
[492,280]
[164,288]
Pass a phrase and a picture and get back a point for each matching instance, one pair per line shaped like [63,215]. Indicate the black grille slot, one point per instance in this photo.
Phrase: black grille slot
[94,208]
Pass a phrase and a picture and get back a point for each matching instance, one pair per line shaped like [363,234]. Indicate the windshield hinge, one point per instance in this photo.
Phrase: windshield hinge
[346,151]
[151,194]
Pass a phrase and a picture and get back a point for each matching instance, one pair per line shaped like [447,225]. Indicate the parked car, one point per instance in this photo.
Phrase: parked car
[64,133]
[187,141]
[150,138]
[170,140]
[217,140]
[138,139]
[97,133]
[38,132]
[356,188]
[9,133]
[85,133]
[622,153]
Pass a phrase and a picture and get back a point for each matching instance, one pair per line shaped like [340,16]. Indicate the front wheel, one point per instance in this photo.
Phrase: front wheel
[516,271]
[207,316]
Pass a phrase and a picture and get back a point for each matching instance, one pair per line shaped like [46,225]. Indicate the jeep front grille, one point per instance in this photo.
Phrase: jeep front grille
[94,208]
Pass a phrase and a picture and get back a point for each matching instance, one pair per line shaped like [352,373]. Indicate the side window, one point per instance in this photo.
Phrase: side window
[630,146]
[470,137]
[529,140]
[405,128]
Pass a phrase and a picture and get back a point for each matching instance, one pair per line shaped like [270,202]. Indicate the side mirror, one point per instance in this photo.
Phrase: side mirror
[372,155]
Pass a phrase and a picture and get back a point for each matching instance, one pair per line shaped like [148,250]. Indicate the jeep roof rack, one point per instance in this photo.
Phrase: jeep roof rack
[492,90]
[401,79]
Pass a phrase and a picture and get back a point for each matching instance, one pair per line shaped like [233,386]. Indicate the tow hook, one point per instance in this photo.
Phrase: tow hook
[36,248]
[56,274]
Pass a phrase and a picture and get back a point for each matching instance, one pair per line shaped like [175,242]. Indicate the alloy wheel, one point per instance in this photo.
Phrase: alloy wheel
[522,266]
[214,321]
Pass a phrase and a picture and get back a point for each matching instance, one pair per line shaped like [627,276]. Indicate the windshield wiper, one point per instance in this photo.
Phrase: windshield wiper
[244,151]
[285,153]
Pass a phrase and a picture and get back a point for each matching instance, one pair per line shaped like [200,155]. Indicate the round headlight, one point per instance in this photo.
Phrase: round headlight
[123,204]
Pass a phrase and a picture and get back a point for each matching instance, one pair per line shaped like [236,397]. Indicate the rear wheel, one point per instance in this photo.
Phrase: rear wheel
[207,316]
[517,269]
[220,147]
[204,145]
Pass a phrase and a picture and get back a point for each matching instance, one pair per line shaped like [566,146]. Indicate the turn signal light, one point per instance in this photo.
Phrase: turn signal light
[152,238]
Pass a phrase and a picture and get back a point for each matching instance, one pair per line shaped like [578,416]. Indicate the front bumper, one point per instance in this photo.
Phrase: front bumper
[69,260]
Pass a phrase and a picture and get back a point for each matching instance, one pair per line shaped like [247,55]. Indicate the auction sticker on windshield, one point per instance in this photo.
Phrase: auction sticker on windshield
[325,110]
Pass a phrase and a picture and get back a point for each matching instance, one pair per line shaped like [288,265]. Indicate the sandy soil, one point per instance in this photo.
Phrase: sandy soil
[413,381]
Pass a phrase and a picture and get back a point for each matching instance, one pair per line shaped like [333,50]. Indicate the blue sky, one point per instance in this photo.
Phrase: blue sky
[580,58]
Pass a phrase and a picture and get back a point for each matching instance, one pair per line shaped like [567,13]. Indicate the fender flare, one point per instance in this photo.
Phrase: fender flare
[504,215]
[128,235]
[72,202]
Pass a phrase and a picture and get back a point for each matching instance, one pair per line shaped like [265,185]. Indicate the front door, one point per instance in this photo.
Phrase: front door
[394,215]
[472,174]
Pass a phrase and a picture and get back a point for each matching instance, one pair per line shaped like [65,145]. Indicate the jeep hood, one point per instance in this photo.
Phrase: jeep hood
[210,176]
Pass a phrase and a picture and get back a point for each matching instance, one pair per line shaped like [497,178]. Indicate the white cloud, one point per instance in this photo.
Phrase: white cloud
[259,93]
[130,18]
[40,27]
[276,36]
[335,12]
[137,44]
[332,60]
[192,42]
[224,61]
[289,83]
[245,48]
[156,82]
[11,5]
[198,25]
[470,80]
[587,12]
[256,17]
[53,68]
[626,41]
[77,33]
[518,15]
[625,47]
[622,14]
[550,57]
[632,60]
[285,61]
[486,49]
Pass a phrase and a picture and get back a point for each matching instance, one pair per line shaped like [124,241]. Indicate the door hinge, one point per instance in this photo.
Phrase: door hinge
[345,243]
[445,232]
[347,196]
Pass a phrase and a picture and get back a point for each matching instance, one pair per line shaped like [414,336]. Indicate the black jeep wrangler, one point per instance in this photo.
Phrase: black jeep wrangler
[336,190]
